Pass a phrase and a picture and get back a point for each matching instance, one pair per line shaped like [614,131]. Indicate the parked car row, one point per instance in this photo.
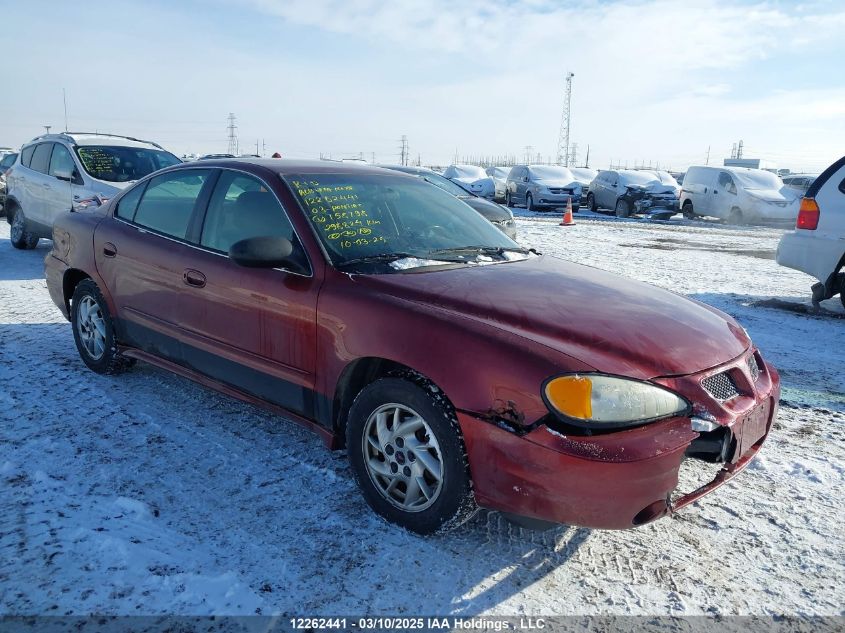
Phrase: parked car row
[7,159]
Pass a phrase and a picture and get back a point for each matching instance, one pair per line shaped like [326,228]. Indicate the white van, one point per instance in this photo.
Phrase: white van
[737,194]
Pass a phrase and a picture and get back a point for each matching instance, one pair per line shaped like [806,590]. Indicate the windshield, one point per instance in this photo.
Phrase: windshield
[372,215]
[123,164]
[499,172]
[638,177]
[549,172]
[466,171]
[449,186]
[666,178]
[758,179]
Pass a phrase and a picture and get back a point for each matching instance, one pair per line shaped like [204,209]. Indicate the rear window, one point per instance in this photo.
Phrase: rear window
[41,157]
[123,164]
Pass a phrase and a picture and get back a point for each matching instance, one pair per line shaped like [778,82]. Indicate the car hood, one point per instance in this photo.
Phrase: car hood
[653,188]
[558,183]
[489,210]
[472,181]
[612,323]
[778,196]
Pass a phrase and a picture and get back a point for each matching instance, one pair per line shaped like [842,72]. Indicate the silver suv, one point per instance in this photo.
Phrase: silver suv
[57,172]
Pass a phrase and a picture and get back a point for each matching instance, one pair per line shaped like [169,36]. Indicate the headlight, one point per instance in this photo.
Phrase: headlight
[606,402]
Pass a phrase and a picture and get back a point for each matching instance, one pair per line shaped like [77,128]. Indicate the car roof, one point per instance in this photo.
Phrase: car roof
[285,166]
[408,169]
[96,138]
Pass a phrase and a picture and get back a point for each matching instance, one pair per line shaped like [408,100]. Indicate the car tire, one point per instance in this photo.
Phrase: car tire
[529,202]
[576,208]
[623,209]
[18,235]
[93,330]
[735,216]
[591,203]
[385,461]
[688,212]
[508,200]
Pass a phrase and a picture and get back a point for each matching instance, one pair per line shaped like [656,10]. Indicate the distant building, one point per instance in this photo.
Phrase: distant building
[752,163]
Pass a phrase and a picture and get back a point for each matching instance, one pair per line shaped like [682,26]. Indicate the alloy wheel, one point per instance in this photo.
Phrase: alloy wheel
[402,457]
[91,327]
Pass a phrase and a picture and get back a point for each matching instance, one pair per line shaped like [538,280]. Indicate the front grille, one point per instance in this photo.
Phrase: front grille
[720,386]
[557,190]
[754,368]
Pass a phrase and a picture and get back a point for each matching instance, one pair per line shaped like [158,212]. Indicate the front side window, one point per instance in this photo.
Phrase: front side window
[169,200]
[726,182]
[123,164]
[242,207]
[61,162]
[372,215]
[41,157]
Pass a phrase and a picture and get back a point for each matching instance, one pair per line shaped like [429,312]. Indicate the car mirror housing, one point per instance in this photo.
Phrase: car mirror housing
[63,174]
[265,252]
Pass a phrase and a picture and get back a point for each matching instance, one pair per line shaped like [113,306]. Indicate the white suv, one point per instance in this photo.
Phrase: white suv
[817,245]
[55,172]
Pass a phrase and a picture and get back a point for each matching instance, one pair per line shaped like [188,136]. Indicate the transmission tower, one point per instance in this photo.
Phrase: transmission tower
[739,149]
[233,139]
[563,137]
[573,155]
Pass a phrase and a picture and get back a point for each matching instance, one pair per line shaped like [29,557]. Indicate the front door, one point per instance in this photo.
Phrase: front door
[252,328]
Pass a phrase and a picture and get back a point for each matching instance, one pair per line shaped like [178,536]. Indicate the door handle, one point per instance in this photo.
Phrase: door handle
[193,278]
[109,249]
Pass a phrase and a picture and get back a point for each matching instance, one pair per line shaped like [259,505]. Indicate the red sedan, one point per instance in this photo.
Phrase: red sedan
[457,368]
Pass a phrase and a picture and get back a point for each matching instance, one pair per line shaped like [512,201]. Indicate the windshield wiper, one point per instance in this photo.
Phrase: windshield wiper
[390,257]
[483,250]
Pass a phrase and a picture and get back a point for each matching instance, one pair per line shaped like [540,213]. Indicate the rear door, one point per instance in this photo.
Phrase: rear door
[38,187]
[143,251]
[252,328]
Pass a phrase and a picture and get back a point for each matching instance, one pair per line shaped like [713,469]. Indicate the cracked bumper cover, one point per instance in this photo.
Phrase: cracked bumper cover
[610,481]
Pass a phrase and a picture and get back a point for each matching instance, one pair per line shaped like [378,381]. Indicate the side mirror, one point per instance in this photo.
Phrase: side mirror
[525,179]
[266,252]
[64,174]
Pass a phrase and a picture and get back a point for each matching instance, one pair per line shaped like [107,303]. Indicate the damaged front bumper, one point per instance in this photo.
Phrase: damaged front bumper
[622,479]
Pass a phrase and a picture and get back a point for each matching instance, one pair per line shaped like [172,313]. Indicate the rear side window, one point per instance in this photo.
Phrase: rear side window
[127,204]
[41,157]
[26,155]
[168,202]
[242,207]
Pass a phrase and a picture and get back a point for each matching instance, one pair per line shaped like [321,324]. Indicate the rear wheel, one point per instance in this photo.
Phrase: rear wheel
[93,330]
[18,235]
[529,202]
[735,216]
[408,457]
[689,214]
[508,200]
[623,210]
[591,202]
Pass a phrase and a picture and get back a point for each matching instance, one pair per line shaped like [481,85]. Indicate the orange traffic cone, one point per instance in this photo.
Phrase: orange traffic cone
[567,216]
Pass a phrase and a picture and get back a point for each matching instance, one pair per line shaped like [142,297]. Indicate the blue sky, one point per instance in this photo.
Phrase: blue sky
[654,81]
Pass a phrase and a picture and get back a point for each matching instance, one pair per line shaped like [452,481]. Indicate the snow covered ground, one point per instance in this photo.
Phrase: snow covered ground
[148,494]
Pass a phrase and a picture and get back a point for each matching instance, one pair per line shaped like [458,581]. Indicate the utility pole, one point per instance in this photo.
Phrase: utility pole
[587,162]
[563,135]
[256,147]
[707,160]
[733,151]
[233,140]
[403,151]
[263,148]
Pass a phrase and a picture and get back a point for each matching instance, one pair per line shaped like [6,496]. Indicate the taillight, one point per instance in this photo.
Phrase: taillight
[808,215]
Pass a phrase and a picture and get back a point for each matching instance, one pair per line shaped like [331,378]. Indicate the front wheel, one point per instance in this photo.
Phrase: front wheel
[623,210]
[529,202]
[689,214]
[508,200]
[18,235]
[408,457]
[93,330]
[591,203]
[735,216]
